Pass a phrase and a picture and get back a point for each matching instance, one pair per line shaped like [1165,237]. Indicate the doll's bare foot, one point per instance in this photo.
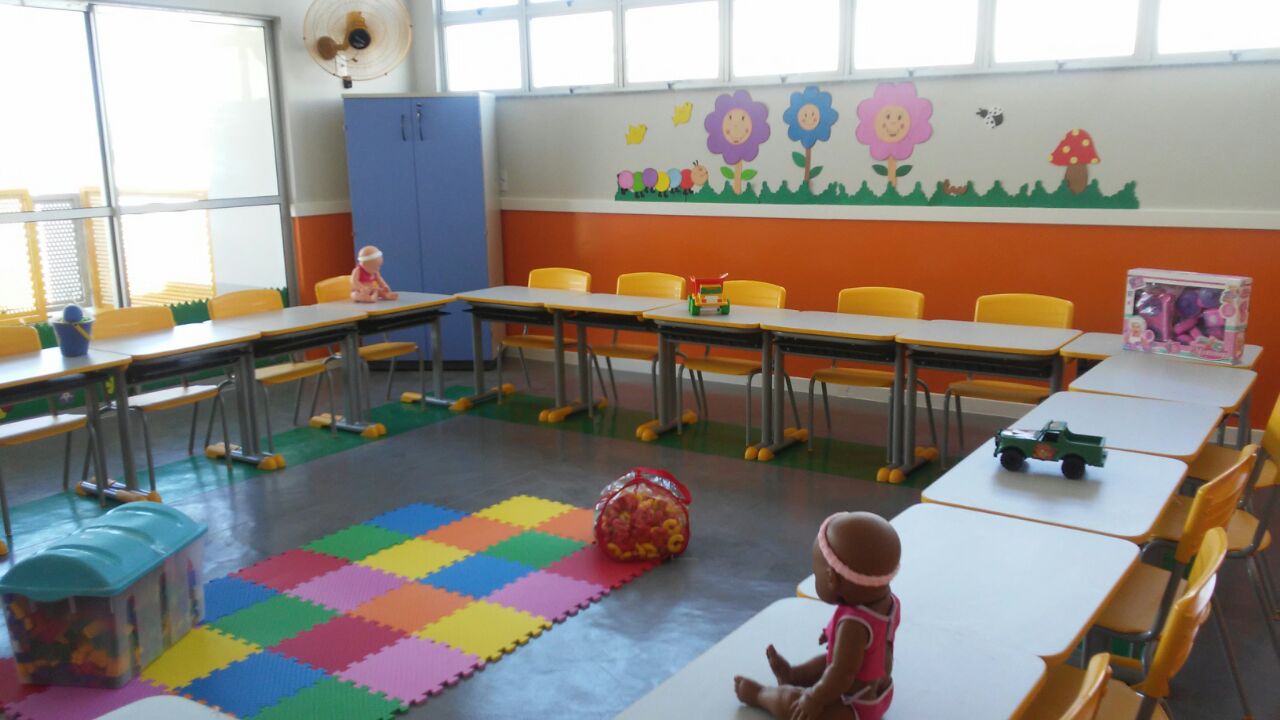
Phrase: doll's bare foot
[748,690]
[781,668]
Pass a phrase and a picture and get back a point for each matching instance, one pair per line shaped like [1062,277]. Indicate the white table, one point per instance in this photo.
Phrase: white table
[1122,499]
[1092,347]
[937,672]
[1013,583]
[1155,427]
[165,707]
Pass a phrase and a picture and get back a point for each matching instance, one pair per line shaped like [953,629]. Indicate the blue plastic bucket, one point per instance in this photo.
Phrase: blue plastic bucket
[73,338]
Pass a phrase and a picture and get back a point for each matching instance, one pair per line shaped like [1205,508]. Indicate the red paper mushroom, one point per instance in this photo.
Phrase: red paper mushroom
[1076,153]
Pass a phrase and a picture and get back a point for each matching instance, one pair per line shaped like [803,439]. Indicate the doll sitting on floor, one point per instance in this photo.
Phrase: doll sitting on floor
[855,556]
[367,284]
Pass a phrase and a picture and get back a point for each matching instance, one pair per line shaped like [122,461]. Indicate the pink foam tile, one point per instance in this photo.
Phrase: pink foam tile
[412,669]
[552,596]
[347,587]
[77,703]
[592,565]
[290,568]
[334,645]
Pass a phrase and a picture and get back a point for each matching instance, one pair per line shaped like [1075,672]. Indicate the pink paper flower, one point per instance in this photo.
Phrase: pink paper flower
[893,120]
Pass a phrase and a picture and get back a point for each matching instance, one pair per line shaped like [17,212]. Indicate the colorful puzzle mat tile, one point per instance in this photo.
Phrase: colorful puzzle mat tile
[365,621]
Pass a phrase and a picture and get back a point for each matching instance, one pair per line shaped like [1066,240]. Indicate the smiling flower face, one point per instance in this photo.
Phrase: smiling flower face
[810,117]
[737,127]
[894,120]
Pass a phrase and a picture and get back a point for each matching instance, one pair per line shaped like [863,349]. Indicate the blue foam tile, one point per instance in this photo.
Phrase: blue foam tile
[229,594]
[416,519]
[257,682]
[478,575]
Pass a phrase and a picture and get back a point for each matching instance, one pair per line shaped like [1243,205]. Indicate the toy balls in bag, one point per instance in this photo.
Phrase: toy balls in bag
[643,515]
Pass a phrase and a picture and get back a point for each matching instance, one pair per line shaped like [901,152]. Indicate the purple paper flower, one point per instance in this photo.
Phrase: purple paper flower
[737,127]
[893,120]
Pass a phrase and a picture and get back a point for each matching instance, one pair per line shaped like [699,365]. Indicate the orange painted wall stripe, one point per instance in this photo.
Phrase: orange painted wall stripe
[323,247]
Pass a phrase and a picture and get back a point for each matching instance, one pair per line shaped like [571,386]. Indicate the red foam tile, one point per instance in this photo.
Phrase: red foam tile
[335,645]
[590,564]
[11,689]
[290,569]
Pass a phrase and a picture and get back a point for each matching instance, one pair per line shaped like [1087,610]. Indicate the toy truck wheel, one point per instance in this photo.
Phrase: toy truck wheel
[1073,467]
[693,306]
[1012,458]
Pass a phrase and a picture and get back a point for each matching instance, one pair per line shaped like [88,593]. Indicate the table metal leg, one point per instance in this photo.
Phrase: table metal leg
[122,411]
[437,374]
[477,368]
[896,401]
[780,436]
[102,485]
[1243,430]
[357,418]
[585,402]
[667,390]
[249,451]
[1055,375]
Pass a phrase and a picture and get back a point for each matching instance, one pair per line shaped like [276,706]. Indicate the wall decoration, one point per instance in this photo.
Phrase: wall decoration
[1076,153]
[992,117]
[682,114]
[892,122]
[661,183]
[635,134]
[735,130]
[809,120]
[950,189]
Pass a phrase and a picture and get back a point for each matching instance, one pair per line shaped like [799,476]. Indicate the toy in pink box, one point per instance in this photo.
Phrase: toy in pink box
[1188,314]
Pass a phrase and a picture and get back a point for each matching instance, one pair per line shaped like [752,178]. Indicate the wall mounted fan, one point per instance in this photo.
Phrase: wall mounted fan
[358,39]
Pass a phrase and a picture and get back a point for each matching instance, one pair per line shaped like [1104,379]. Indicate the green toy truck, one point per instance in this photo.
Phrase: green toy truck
[1053,442]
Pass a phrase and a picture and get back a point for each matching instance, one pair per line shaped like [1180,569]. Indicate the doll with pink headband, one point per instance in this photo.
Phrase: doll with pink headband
[367,284]
[855,557]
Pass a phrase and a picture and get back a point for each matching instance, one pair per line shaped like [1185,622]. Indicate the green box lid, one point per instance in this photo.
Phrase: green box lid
[104,557]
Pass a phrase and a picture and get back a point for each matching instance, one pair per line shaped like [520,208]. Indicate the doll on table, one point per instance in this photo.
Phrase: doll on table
[855,556]
[367,284]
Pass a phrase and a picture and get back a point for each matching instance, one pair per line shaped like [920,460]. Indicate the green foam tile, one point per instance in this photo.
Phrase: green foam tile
[535,549]
[333,699]
[271,621]
[357,542]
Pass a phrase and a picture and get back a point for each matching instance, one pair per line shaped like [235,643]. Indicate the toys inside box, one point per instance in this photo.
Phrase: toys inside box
[1187,314]
[96,607]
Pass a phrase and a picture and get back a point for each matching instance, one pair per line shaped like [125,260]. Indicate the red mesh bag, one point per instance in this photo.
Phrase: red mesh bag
[643,515]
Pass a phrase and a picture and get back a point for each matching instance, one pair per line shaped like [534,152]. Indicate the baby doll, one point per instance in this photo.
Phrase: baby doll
[367,284]
[855,556]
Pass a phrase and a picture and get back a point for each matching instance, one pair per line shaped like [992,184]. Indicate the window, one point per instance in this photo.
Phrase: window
[483,56]
[571,50]
[673,42]
[914,33]
[774,38]
[1064,29]
[452,5]
[1188,26]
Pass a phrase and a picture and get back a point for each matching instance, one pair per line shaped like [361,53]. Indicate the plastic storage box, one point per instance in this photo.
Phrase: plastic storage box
[96,607]
[1187,314]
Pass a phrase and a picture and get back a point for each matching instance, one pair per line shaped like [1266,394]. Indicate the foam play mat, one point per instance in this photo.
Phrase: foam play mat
[364,622]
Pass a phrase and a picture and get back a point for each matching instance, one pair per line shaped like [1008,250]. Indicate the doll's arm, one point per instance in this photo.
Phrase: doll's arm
[803,675]
[382,283]
[849,647]
[355,277]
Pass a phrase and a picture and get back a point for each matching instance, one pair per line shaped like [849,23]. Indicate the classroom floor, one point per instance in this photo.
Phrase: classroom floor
[752,527]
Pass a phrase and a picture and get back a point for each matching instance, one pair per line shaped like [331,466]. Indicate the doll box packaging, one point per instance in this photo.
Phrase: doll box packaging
[1187,314]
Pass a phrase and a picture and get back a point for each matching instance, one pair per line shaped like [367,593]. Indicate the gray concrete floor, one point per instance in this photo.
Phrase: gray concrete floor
[752,527]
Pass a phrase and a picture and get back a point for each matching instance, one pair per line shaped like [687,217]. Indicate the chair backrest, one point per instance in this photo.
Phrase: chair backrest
[1271,435]
[652,284]
[557,278]
[1188,614]
[883,301]
[334,289]
[755,293]
[1092,688]
[119,322]
[1214,504]
[18,339]
[1025,309]
[244,302]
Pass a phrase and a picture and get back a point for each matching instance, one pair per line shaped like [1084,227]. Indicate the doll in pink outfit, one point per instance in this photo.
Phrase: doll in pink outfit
[855,556]
[367,284]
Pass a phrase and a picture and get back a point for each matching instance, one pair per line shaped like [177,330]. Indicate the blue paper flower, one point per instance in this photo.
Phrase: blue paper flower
[810,117]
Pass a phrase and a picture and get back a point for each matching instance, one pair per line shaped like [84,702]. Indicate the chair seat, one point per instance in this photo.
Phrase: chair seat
[536,342]
[723,366]
[999,390]
[854,377]
[288,372]
[1214,460]
[172,397]
[386,350]
[1136,605]
[1240,527]
[1062,684]
[626,351]
[24,431]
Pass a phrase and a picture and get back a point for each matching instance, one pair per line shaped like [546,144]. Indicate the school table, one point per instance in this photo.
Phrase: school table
[1155,427]
[1016,351]
[846,336]
[1093,347]
[1138,374]
[937,672]
[410,309]
[741,328]
[28,376]
[1122,499]
[1012,583]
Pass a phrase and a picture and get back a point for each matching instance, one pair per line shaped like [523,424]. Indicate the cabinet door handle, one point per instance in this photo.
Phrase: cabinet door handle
[404,130]
[420,134]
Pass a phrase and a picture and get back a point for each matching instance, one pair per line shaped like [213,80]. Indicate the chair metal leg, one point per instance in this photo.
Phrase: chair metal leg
[498,371]
[809,445]
[266,412]
[928,406]
[613,382]
[679,399]
[795,409]
[653,384]
[226,434]
[195,421]
[333,412]
[422,375]
[4,507]
[750,378]
[66,464]
[146,444]
[297,401]
[826,407]
[391,375]
[88,453]
[315,398]
[1255,579]
[945,455]
[1231,657]
[600,377]
[524,366]
[702,394]
[1268,585]
[959,427]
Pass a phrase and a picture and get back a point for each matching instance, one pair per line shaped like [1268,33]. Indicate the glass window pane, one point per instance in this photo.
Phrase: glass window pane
[571,50]
[452,5]
[776,38]
[188,102]
[1064,29]
[45,266]
[1199,26]
[483,56]
[17,260]
[49,128]
[673,42]
[914,33]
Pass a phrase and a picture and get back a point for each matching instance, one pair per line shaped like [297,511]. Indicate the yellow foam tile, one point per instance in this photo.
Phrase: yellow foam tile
[415,559]
[485,630]
[197,654]
[525,511]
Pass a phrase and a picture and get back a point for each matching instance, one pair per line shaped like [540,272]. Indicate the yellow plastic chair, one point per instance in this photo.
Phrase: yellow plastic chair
[122,322]
[882,302]
[642,284]
[249,302]
[1147,699]
[552,278]
[1006,309]
[337,289]
[751,293]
